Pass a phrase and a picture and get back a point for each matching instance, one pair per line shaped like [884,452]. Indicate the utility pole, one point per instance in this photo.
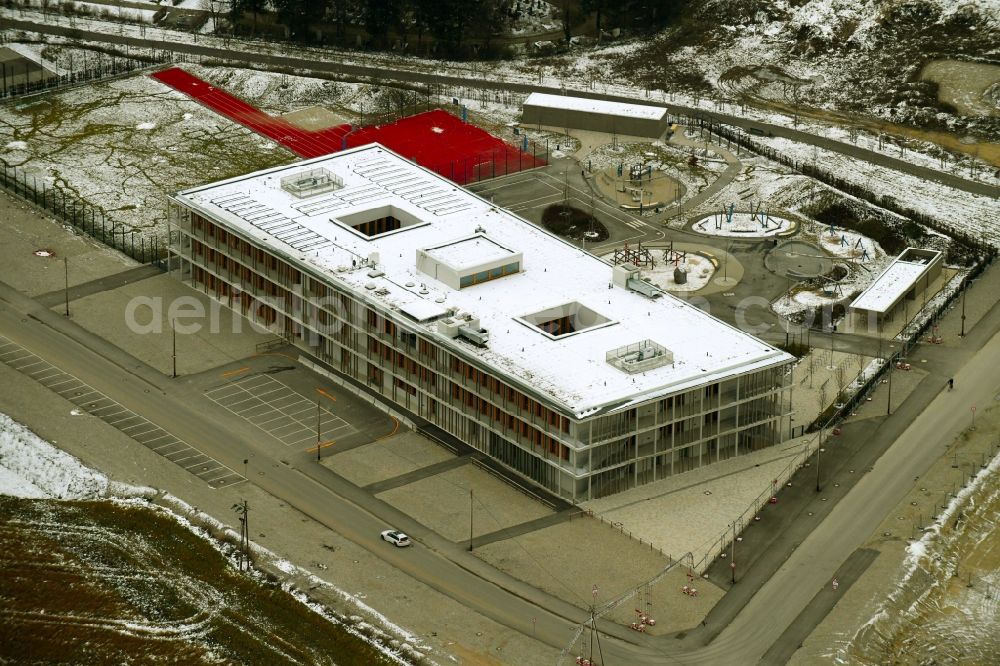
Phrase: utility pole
[732,553]
[173,329]
[66,271]
[470,519]
[242,510]
[888,407]
[819,450]
[965,289]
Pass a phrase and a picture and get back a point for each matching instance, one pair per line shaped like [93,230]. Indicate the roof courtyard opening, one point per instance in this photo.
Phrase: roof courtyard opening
[566,319]
[378,222]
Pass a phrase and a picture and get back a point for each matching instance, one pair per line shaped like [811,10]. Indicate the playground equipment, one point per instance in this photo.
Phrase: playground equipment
[675,256]
[639,256]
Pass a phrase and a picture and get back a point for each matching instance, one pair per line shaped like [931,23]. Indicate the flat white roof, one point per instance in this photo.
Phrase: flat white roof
[898,277]
[571,371]
[469,252]
[595,106]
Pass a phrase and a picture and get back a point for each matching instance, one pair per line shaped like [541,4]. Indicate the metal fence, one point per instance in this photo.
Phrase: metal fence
[824,427]
[83,216]
[31,78]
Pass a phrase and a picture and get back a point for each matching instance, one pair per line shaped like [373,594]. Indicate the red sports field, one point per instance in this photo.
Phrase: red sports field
[436,139]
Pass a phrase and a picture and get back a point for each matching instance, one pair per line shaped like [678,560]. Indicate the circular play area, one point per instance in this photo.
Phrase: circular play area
[798,260]
[631,189]
[743,225]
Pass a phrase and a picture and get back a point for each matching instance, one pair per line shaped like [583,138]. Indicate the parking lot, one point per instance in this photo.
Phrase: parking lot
[283,413]
[113,413]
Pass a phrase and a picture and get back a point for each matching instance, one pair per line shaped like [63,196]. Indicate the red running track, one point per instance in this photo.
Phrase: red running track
[436,139]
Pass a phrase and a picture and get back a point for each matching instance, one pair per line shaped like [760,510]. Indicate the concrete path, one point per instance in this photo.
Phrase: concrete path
[115,281]
[416,475]
[525,527]
[733,167]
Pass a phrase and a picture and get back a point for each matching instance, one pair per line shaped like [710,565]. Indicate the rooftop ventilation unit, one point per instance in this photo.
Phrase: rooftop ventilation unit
[639,356]
[304,184]
[466,327]
[629,276]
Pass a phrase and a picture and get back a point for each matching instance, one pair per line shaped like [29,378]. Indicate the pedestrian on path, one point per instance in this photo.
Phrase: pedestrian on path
[951,384]
[835,584]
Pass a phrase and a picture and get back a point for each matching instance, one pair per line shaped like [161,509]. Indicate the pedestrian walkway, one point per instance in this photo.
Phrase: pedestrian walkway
[113,281]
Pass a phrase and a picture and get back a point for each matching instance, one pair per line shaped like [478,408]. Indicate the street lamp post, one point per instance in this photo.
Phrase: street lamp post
[819,450]
[470,519]
[965,289]
[732,554]
[173,354]
[319,428]
[888,406]
[66,271]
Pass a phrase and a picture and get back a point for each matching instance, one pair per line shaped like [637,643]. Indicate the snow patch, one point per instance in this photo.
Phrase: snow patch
[32,466]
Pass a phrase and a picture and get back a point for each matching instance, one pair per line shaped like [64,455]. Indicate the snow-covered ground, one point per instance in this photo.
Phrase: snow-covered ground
[848,246]
[586,70]
[31,467]
[976,215]
[945,602]
[742,225]
[966,212]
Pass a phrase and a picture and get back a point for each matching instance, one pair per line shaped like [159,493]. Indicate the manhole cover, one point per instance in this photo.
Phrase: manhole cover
[44,252]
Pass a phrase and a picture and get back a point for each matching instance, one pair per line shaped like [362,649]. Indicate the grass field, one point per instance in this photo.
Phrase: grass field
[115,582]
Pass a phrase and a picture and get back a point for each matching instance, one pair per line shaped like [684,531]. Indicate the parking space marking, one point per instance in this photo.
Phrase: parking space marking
[100,406]
[277,409]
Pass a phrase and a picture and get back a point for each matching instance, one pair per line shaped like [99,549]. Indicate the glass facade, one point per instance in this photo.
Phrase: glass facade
[578,459]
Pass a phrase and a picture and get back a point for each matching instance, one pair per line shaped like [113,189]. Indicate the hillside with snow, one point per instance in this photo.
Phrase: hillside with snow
[858,57]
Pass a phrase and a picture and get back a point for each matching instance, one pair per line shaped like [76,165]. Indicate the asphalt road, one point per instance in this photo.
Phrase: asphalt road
[316,491]
[327,498]
[332,66]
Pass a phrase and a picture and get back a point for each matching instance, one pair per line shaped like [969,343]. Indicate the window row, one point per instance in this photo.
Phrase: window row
[491,384]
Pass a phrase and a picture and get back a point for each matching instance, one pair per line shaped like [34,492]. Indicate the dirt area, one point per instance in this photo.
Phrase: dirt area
[964,85]
[120,583]
[25,232]
[989,152]
[442,503]
[819,378]
[123,144]
[315,118]
[209,334]
[571,222]
[387,458]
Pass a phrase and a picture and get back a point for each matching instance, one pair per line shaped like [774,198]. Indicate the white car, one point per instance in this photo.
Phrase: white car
[396,538]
